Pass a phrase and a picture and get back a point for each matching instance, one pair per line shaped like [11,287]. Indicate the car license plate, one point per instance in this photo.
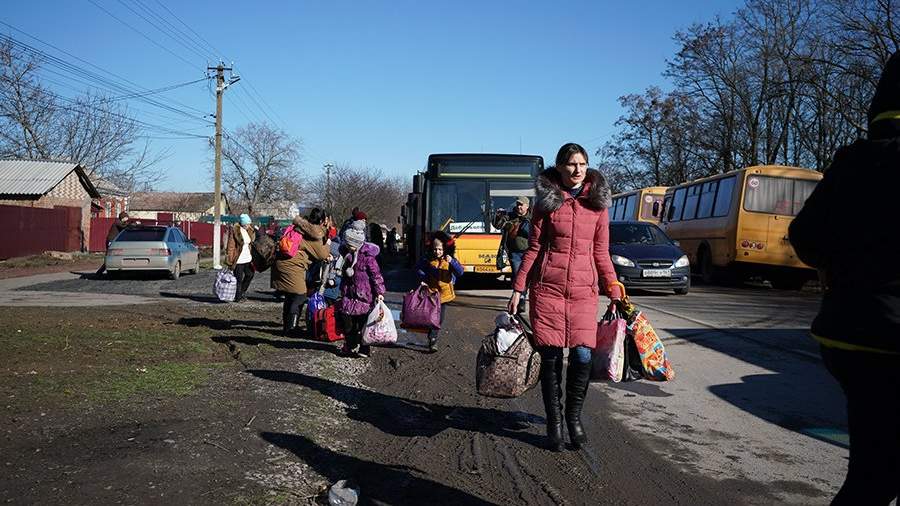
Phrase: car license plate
[485,268]
[657,273]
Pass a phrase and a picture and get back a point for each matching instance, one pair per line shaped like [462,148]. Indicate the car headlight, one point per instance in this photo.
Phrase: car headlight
[683,261]
[624,262]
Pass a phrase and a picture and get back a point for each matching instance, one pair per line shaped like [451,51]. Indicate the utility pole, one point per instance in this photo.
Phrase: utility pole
[328,167]
[217,222]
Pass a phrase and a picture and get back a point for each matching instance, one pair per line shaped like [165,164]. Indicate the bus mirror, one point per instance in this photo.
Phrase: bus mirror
[656,208]
[676,243]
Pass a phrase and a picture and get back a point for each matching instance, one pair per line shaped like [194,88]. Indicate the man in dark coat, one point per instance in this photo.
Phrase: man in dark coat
[845,231]
[516,228]
[114,229]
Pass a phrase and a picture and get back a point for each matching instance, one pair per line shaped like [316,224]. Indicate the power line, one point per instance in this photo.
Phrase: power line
[142,34]
[90,75]
[93,78]
[214,50]
[164,30]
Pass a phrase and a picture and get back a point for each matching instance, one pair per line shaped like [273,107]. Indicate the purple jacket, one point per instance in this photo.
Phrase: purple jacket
[358,292]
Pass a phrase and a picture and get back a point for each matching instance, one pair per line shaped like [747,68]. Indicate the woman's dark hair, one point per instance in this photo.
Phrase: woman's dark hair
[316,216]
[446,241]
[566,152]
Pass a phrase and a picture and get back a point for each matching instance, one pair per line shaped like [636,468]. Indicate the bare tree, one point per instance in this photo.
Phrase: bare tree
[96,132]
[379,196]
[261,166]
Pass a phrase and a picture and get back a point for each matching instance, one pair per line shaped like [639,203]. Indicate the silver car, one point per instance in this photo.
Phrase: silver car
[152,248]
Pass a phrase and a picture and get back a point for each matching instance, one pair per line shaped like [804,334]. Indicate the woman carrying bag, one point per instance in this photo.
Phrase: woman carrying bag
[566,261]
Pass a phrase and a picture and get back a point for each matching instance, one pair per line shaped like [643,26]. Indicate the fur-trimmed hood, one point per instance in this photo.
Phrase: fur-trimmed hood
[310,231]
[550,195]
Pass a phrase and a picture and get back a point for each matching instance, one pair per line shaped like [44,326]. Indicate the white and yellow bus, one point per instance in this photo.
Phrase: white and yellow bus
[735,225]
[637,205]
[459,194]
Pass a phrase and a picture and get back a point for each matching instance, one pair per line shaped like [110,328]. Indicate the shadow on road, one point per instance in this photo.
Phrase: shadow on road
[379,483]
[798,394]
[410,418]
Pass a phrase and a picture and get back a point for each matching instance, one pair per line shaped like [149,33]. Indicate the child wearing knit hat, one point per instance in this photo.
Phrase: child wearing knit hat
[362,286]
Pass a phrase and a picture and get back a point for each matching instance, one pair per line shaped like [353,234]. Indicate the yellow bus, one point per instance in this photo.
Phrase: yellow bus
[637,205]
[459,194]
[735,225]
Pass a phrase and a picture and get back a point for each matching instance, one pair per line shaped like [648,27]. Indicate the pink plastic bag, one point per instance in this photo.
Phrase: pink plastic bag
[380,328]
[609,355]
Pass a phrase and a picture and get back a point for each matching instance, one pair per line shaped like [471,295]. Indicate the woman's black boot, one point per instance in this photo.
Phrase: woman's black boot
[577,378]
[551,389]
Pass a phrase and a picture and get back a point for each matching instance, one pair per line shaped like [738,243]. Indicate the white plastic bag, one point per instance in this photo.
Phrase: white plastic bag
[225,286]
[507,331]
[380,328]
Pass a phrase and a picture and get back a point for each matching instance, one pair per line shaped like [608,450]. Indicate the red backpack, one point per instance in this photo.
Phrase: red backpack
[290,242]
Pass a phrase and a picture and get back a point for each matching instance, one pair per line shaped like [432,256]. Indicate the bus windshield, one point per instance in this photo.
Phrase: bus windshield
[460,201]
[777,195]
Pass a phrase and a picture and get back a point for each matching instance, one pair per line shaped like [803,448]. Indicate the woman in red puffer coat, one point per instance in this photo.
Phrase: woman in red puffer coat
[565,268]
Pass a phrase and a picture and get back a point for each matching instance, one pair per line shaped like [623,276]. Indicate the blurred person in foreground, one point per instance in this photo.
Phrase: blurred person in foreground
[858,325]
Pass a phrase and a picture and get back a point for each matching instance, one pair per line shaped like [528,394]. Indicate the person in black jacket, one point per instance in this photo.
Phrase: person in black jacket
[846,231]
[119,225]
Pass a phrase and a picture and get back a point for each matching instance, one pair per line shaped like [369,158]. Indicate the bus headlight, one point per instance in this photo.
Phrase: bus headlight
[624,262]
[682,262]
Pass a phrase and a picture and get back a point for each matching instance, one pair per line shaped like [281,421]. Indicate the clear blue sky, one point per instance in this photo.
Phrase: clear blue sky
[378,83]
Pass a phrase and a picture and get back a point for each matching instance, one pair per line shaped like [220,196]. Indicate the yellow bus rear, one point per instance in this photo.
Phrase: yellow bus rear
[735,225]
[638,205]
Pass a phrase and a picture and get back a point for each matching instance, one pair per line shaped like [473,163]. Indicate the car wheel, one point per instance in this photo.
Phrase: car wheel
[176,272]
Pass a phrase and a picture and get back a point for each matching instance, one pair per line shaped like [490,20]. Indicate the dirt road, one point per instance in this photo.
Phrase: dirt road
[262,419]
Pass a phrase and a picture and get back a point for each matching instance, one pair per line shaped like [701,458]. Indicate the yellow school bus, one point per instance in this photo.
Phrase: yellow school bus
[459,194]
[735,225]
[638,205]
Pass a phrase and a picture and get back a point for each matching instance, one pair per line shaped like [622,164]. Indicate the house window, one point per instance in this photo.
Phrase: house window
[108,206]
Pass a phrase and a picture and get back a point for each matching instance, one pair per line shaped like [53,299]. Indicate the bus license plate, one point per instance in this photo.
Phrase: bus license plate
[485,268]
[657,273]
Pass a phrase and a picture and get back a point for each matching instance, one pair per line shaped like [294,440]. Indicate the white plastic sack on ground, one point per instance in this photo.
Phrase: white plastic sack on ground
[225,286]
[380,327]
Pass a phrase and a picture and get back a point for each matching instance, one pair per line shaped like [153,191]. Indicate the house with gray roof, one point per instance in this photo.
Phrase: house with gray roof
[48,185]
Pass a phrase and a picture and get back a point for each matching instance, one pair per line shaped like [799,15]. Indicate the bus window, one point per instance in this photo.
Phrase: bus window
[667,203]
[802,190]
[630,205]
[776,195]
[690,204]
[707,195]
[503,196]
[462,201]
[647,206]
[677,204]
[723,197]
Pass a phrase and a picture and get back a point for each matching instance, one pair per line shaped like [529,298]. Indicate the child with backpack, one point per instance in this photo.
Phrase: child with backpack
[362,286]
[438,270]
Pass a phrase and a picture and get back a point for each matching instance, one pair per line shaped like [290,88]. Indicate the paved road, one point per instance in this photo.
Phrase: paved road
[751,406]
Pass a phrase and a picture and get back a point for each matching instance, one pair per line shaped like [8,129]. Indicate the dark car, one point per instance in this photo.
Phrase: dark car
[645,257]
